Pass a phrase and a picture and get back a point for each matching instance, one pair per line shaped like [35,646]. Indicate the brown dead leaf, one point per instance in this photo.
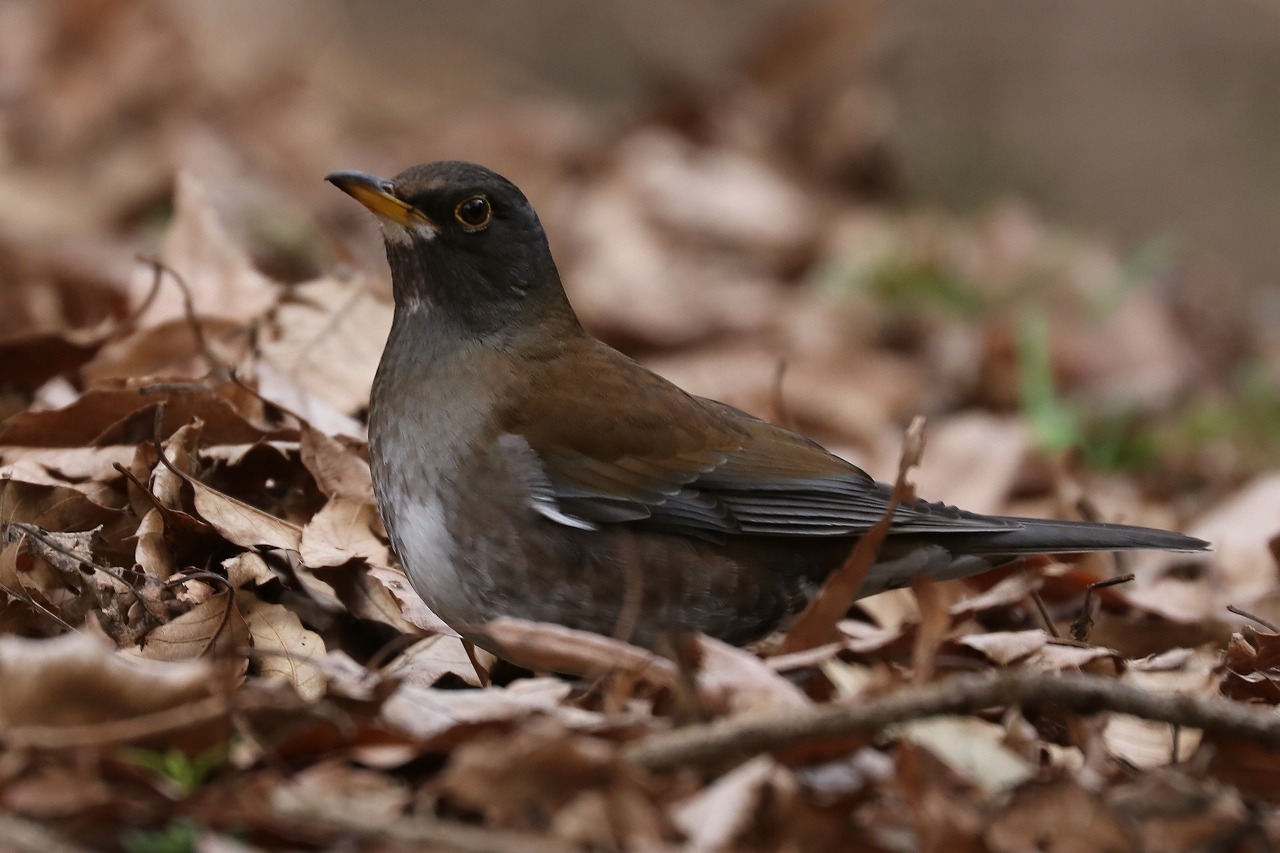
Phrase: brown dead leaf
[544,647]
[1005,647]
[749,204]
[181,450]
[282,647]
[972,461]
[1253,770]
[1147,745]
[126,415]
[328,339]
[63,466]
[1178,812]
[715,817]
[242,524]
[76,679]
[504,775]
[152,553]
[433,715]
[335,787]
[412,607]
[170,349]
[1239,570]
[1251,667]
[29,359]
[365,597]
[342,531]
[339,472]
[1058,817]
[430,659]
[974,749]
[213,629]
[729,677]
[219,275]
[64,509]
[55,791]
[248,567]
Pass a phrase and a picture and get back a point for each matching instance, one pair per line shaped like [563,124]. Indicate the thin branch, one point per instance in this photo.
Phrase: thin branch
[1253,617]
[781,411]
[1084,622]
[816,625]
[750,734]
[216,366]
[482,674]
[1038,601]
[29,599]
[88,566]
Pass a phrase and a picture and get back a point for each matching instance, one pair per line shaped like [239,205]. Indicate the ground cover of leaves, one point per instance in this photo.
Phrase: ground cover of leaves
[205,642]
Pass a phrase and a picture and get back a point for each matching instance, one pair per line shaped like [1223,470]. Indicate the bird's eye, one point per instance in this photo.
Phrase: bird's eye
[473,213]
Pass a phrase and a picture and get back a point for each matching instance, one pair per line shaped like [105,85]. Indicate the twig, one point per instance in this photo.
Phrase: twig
[1080,627]
[132,317]
[87,566]
[1080,693]
[23,595]
[1253,617]
[482,674]
[782,413]
[216,366]
[816,624]
[1034,595]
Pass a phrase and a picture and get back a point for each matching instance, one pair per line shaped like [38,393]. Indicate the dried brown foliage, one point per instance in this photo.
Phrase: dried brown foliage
[205,640]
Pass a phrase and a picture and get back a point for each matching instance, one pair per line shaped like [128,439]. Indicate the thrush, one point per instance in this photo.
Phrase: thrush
[523,468]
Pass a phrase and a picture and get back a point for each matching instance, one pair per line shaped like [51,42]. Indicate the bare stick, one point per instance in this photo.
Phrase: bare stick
[817,624]
[1084,622]
[750,734]
[216,367]
[1253,617]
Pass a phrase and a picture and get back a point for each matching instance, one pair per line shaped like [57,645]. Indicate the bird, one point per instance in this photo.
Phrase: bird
[525,469]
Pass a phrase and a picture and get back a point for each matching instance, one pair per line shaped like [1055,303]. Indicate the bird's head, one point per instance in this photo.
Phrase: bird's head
[465,247]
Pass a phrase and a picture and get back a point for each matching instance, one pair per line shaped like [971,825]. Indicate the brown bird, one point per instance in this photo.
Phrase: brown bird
[523,468]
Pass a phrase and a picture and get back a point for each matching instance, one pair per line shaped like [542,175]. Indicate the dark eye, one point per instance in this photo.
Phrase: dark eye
[474,213]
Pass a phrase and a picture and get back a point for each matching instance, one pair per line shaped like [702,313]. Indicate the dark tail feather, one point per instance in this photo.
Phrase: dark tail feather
[1041,536]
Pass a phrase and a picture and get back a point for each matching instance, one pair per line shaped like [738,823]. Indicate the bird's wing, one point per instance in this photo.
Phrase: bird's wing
[657,456]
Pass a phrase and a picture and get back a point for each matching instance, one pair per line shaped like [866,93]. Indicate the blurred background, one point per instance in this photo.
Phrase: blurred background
[1049,227]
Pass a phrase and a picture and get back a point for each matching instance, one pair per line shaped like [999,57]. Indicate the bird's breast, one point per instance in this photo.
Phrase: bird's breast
[424,423]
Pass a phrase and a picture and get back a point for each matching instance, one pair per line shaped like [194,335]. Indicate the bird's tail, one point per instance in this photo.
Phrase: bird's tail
[1043,536]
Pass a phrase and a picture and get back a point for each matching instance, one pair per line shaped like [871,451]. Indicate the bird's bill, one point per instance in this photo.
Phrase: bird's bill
[376,194]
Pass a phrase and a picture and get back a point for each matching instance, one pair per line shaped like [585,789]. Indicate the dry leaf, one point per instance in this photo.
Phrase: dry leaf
[221,279]
[282,647]
[972,748]
[334,787]
[76,679]
[329,338]
[430,659]
[339,472]
[242,524]
[342,531]
[212,629]
[716,816]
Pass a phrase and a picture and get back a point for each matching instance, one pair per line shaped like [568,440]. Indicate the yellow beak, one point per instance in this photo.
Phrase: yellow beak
[377,194]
